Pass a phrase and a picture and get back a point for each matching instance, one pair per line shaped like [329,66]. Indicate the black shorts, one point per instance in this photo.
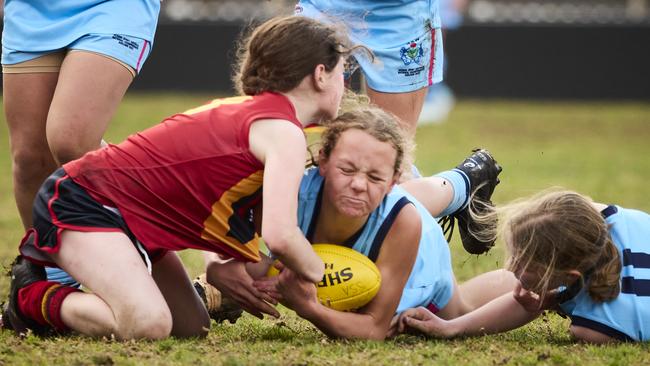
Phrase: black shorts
[61,204]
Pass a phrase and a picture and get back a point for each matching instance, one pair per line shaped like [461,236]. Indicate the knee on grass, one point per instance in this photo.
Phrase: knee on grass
[152,324]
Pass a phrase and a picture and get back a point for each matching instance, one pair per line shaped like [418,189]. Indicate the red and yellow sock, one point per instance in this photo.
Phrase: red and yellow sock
[41,302]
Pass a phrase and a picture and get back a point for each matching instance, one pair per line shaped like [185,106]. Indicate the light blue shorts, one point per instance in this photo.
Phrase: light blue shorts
[128,50]
[120,29]
[407,46]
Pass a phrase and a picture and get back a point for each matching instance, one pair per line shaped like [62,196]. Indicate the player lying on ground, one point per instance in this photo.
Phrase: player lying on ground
[583,259]
[351,199]
[114,218]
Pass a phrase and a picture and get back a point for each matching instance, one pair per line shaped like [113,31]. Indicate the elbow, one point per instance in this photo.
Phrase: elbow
[277,240]
[376,331]
[377,336]
[587,335]
[371,335]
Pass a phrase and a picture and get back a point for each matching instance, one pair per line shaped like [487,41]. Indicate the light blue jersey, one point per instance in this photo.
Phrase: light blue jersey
[431,281]
[628,316]
[404,35]
[36,27]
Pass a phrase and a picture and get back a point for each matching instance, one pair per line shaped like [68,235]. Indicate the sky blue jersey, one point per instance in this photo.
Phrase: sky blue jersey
[628,316]
[431,280]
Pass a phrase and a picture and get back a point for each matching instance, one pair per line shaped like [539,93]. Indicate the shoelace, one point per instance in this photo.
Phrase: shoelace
[447,223]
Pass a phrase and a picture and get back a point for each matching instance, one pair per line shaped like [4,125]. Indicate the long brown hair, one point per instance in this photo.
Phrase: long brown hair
[280,52]
[557,231]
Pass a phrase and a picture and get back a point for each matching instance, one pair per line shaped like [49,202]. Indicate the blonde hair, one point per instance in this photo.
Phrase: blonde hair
[279,53]
[556,231]
[374,121]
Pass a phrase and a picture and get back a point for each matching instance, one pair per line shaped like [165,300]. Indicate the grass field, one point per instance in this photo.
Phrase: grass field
[602,149]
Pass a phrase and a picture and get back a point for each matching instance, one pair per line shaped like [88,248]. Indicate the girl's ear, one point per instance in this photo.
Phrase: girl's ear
[319,77]
[396,177]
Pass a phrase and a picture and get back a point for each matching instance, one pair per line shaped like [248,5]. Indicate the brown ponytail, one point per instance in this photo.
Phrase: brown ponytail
[604,283]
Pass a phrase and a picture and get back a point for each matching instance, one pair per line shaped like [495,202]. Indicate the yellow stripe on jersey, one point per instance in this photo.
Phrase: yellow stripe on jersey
[218,102]
[217,227]
[315,130]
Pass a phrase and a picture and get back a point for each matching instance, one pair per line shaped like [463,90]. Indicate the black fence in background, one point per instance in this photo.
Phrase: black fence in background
[484,61]
[550,62]
[546,62]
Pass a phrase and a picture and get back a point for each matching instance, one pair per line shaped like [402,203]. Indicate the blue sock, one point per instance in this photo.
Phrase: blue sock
[61,276]
[460,184]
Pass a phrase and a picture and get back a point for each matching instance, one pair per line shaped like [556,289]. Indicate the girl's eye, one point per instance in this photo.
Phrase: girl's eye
[347,170]
[375,178]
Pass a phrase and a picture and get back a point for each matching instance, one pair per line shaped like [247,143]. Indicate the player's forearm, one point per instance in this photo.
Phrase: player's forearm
[338,324]
[295,252]
[499,315]
[214,258]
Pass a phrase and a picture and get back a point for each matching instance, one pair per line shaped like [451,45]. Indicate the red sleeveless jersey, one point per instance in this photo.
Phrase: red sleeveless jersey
[190,181]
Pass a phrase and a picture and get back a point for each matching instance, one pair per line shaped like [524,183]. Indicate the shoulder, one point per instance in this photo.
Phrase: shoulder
[274,106]
[408,223]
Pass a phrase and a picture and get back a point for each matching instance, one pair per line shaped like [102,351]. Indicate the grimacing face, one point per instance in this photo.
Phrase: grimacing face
[359,173]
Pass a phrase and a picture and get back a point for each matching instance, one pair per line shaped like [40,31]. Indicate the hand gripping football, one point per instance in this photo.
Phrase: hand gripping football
[350,281]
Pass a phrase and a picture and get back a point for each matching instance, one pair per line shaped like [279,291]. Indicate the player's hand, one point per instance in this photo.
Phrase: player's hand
[393,328]
[298,293]
[423,321]
[269,285]
[232,279]
[532,302]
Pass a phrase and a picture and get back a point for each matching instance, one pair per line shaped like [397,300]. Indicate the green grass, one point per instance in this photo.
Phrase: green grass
[602,149]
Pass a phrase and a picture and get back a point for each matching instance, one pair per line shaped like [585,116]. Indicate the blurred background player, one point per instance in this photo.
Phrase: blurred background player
[440,97]
[66,65]
[406,39]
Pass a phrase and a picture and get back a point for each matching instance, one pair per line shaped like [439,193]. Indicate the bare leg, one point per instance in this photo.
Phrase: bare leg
[477,292]
[190,318]
[406,106]
[435,193]
[27,100]
[125,301]
[89,90]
